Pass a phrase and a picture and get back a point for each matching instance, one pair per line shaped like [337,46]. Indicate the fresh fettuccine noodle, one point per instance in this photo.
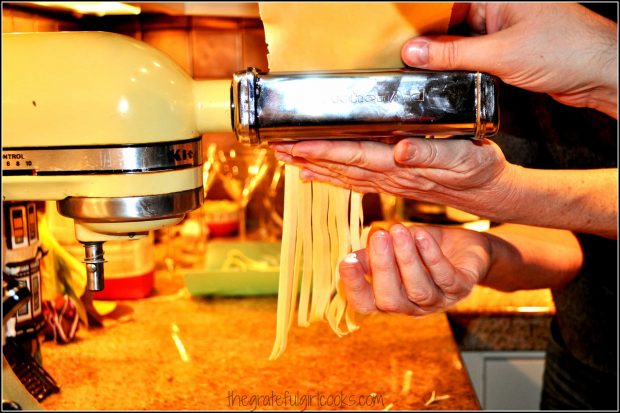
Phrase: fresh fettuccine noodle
[323,223]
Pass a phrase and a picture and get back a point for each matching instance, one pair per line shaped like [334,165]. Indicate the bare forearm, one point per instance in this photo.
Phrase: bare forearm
[578,200]
[525,257]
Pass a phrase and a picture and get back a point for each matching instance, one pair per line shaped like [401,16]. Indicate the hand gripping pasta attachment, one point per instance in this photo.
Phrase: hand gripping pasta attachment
[385,105]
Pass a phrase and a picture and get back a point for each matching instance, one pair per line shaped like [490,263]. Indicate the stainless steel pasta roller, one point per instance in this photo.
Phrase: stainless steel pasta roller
[374,104]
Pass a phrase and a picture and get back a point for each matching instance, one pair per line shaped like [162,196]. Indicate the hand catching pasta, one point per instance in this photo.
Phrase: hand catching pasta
[415,271]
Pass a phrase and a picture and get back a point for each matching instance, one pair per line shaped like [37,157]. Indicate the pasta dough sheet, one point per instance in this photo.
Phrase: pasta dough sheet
[323,223]
[346,35]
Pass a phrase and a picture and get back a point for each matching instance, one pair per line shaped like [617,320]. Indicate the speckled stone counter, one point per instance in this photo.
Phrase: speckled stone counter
[172,351]
[490,320]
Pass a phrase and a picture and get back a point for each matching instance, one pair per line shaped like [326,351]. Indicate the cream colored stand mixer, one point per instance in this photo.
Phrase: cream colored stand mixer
[107,127]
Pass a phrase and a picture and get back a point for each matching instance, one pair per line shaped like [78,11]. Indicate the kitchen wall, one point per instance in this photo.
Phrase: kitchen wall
[206,47]
[16,19]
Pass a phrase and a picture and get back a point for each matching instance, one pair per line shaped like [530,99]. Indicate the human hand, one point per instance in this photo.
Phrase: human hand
[415,271]
[561,49]
[472,176]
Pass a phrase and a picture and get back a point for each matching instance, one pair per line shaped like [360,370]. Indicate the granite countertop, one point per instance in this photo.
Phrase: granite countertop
[174,351]
[220,360]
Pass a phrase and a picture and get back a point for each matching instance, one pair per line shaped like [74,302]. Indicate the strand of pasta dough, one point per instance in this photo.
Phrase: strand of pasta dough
[305,221]
[287,263]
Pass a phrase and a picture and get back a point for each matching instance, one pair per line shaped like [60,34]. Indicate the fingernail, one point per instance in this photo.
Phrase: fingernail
[404,152]
[284,157]
[415,53]
[379,241]
[282,147]
[351,258]
[299,150]
[306,175]
[399,233]
[421,241]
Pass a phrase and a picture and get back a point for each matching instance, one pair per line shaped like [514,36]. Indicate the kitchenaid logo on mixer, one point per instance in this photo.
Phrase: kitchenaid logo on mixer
[395,96]
[178,155]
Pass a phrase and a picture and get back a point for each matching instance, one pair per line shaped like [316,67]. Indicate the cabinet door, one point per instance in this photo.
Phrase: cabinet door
[506,380]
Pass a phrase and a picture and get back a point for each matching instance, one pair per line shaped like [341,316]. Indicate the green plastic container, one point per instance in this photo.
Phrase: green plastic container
[248,268]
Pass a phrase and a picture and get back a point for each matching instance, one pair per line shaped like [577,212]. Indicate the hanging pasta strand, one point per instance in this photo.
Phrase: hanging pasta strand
[341,206]
[318,247]
[356,220]
[334,194]
[357,225]
[303,232]
[297,266]
[322,270]
[286,300]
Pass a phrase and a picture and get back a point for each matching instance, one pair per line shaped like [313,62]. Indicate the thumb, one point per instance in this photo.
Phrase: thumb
[434,153]
[478,54]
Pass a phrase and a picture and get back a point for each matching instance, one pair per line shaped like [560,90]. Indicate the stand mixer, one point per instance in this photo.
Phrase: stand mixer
[105,126]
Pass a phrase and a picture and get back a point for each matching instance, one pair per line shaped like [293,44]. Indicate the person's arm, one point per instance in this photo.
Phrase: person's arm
[562,49]
[471,176]
[424,269]
[526,257]
[579,200]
